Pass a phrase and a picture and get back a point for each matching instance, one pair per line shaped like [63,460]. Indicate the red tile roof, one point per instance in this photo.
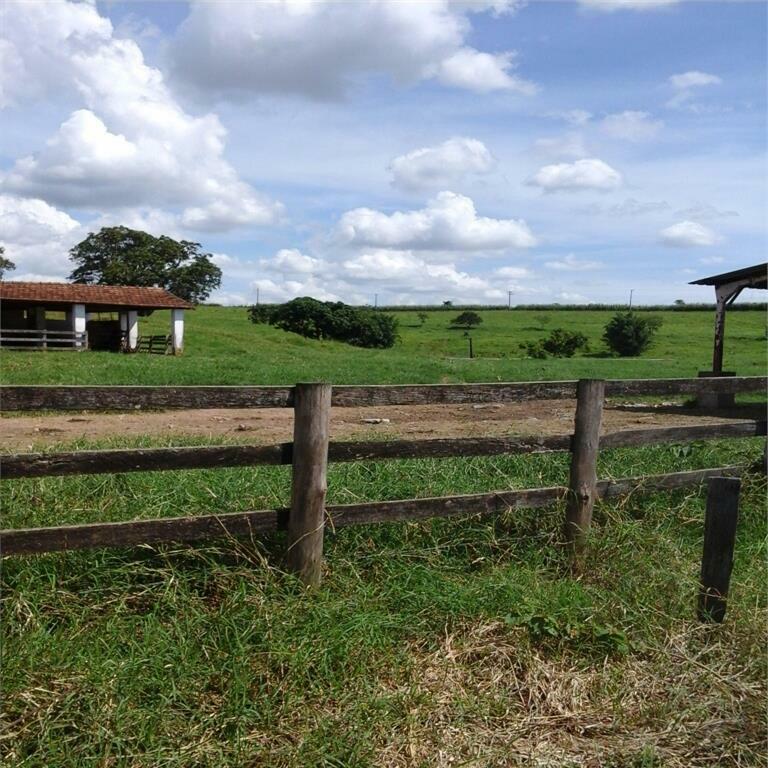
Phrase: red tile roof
[102,295]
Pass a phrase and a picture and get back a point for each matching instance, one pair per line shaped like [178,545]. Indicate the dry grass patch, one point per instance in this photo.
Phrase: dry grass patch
[486,697]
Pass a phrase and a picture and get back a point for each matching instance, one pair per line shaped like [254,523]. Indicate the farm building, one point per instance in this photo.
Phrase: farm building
[727,287]
[77,317]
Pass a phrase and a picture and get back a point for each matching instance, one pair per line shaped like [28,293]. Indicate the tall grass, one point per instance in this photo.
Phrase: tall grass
[448,642]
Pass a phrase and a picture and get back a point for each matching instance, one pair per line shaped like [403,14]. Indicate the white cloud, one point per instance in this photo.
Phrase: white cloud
[712,260]
[37,237]
[688,234]
[633,207]
[589,173]
[132,144]
[629,5]
[684,85]
[693,79]
[571,264]
[321,50]
[403,271]
[448,223]
[441,165]
[631,126]
[292,261]
[482,72]
[555,147]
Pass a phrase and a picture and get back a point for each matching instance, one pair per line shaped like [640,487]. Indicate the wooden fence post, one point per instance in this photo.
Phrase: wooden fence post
[719,539]
[590,394]
[311,426]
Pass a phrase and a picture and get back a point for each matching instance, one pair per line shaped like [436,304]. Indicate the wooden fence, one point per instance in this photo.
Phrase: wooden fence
[18,338]
[312,448]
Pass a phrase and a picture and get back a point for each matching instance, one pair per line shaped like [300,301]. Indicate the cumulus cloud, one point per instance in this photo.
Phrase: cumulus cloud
[441,165]
[292,261]
[482,72]
[589,173]
[688,234]
[572,264]
[37,237]
[320,50]
[131,144]
[631,126]
[449,223]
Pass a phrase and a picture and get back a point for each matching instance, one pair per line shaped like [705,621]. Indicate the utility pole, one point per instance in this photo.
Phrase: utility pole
[632,290]
[375,300]
[509,299]
[257,295]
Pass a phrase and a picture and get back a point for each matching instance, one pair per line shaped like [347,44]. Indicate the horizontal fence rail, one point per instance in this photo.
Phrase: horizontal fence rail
[311,449]
[26,338]
[198,528]
[69,398]
[114,461]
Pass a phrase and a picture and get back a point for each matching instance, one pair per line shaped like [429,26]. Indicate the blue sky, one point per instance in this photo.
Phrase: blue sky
[568,152]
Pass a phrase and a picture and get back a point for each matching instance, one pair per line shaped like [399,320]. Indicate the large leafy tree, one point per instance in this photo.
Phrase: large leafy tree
[6,265]
[122,256]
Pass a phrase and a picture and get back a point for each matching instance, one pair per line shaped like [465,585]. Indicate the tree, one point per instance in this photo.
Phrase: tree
[467,320]
[122,256]
[559,343]
[360,326]
[628,334]
[6,265]
[447,303]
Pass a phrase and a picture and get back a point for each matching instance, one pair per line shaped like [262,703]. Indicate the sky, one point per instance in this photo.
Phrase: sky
[394,152]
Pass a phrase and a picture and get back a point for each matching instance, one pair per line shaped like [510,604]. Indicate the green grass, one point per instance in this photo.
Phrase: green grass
[224,347]
[461,639]
[441,643]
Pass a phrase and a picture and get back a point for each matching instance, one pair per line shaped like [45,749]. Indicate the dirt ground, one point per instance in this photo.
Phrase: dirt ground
[269,425]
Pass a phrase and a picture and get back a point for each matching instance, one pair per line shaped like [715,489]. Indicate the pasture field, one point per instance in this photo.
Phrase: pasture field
[440,643]
[223,347]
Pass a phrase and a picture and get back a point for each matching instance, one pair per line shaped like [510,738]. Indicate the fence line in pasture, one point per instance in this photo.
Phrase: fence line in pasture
[311,449]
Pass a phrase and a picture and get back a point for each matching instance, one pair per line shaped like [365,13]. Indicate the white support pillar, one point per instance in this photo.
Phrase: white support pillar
[177,330]
[78,322]
[133,329]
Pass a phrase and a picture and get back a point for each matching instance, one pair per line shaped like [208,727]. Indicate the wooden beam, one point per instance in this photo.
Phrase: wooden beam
[129,398]
[123,460]
[30,541]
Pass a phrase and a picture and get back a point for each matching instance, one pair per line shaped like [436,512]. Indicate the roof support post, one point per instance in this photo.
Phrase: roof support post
[78,325]
[177,331]
[133,330]
[721,295]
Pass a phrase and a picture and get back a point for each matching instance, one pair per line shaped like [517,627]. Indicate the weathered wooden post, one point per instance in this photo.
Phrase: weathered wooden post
[590,394]
[719,539]
[311,426]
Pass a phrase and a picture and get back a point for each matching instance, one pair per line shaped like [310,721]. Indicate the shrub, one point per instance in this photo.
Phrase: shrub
[423,316]
[559,343]
[628,334]
[315,319]
[467,320]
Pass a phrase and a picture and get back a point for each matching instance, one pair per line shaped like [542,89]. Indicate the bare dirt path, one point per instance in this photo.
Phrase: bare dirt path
[550,417]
